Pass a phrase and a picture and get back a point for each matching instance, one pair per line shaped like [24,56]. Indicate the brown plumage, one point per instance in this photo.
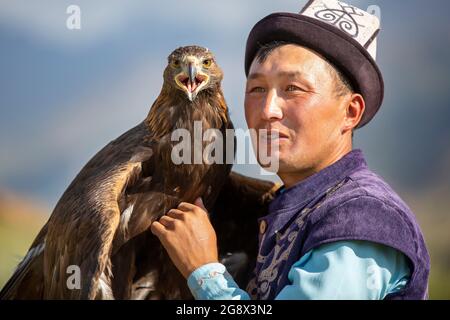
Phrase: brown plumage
[101,221]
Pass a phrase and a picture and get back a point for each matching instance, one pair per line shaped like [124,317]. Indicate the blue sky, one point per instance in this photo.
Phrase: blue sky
[64,94]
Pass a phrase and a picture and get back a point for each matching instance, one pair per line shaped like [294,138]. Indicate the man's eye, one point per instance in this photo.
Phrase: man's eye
[257,89]
[293,88]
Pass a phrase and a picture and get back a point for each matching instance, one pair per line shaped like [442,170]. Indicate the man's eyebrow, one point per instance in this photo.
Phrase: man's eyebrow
[299,76]
[290,74]
[255,75]
[286,74]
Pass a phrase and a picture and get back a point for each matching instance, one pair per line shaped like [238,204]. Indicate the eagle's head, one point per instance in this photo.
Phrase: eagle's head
[192,69]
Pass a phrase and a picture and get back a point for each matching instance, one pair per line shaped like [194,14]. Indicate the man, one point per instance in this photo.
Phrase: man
[335,230]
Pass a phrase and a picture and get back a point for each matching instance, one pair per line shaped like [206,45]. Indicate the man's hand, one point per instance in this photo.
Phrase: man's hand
[188,236]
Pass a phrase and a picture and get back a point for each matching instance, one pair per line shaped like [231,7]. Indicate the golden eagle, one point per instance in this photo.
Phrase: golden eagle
[100,224]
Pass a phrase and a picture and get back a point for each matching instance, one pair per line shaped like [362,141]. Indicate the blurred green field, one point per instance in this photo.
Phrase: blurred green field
[21,220]
[432,211]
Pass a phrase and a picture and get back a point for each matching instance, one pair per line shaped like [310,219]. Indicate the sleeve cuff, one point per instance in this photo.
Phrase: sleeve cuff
[212,282]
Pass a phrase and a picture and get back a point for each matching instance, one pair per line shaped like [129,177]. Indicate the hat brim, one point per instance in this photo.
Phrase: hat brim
[335,45]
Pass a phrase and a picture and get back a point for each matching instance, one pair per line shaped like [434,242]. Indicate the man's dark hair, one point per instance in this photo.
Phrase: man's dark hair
[342,83]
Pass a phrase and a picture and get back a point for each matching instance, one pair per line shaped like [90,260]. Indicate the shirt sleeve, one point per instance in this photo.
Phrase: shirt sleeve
[339,270]
[351,270]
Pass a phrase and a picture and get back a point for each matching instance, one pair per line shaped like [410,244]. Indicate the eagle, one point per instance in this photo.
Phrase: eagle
[100,225]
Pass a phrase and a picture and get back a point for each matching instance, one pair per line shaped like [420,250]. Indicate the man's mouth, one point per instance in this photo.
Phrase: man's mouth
[273,135]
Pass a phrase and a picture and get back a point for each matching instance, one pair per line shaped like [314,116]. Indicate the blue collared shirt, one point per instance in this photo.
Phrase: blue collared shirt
[359,270]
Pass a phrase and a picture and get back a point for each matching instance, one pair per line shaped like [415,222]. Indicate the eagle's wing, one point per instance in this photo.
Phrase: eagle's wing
[81,229]
[70,258]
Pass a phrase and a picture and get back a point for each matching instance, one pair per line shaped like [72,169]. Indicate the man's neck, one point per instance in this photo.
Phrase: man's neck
[292,178]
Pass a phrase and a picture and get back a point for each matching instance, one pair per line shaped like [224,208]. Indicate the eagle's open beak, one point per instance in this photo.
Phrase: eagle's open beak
[191,80]
[192,74]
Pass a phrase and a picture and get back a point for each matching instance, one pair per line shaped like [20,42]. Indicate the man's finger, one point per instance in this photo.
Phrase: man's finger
[167,221]
[175,213]
[157,229]
[186,206]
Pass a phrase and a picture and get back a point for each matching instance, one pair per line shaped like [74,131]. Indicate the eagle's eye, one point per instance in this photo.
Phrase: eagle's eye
[207,63]
[175,63]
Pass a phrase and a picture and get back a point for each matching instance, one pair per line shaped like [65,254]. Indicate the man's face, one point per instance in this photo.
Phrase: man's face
[293,92]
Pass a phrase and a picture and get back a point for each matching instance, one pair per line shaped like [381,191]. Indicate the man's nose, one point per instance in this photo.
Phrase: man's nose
[271,109]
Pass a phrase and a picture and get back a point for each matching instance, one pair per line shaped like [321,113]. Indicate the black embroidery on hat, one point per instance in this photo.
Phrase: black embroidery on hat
[307,5]
[369,42]
[343,19]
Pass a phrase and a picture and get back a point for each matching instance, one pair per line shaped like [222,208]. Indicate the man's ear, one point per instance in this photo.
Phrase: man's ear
[354,111]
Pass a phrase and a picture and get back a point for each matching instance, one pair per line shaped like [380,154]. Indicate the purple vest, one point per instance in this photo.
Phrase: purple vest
[345,201]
